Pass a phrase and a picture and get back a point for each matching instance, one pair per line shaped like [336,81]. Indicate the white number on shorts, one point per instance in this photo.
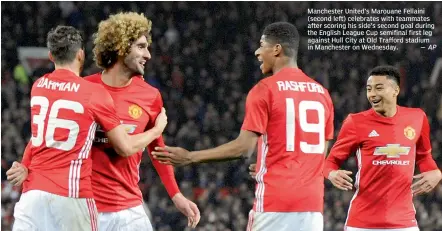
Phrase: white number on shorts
[305,126]
[54,122]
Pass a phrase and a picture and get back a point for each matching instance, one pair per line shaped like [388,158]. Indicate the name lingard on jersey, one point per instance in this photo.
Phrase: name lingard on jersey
[299,86]
[53,85]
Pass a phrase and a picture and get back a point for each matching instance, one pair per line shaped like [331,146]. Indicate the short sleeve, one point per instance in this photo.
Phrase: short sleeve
[103,109]
[257,109]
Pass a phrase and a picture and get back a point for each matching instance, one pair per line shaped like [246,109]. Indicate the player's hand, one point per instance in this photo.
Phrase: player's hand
[427,181]
[188,208]
[161,121]
[252,170]
[172,155]
[341,179]
[17,173]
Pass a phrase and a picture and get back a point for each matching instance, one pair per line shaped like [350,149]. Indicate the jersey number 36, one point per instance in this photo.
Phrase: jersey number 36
[53,122]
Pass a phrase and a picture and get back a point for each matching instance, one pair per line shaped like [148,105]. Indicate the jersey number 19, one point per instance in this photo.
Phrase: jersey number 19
[305,126]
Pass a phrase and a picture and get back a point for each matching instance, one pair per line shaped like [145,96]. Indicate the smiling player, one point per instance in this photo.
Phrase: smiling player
[121,49]
[388,141]
[290,117]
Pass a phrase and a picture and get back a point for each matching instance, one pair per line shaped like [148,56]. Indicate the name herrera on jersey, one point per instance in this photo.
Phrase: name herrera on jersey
[53,85]
[299,86]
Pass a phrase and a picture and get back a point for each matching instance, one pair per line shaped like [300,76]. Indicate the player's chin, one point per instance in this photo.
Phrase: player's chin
[264,70]
[139,71]
[378,108]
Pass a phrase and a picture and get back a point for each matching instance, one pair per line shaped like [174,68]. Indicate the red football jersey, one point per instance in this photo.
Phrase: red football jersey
[294,114]
[115,178]
[65,110]
[386,150]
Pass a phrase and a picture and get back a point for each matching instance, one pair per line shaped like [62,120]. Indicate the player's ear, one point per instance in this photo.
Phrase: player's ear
[397,91]
[50,56]
[80,55]
[277,50]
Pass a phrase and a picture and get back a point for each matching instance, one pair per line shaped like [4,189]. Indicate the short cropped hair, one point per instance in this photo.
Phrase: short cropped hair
[389,71]
[116,34]
[64,42]
[286,34]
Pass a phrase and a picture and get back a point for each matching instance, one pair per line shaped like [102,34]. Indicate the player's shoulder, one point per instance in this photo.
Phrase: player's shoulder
[264,83]
[93,83]
[94,78]
[360,116]
[142,90]
[39,79]
[140,83]
[411,111]
[261,88]
[296,75]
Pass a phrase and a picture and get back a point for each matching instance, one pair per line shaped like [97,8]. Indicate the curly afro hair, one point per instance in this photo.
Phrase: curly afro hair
[116,34]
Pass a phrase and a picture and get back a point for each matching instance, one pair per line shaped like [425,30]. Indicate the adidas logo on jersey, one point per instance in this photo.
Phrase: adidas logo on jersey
[373,134]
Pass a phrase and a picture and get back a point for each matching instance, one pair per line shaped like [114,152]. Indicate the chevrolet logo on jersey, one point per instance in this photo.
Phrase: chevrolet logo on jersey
[100,137]
[392,151]
[129,128]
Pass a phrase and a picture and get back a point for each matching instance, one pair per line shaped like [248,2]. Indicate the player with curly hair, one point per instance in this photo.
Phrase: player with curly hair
[56,166]
[121,49]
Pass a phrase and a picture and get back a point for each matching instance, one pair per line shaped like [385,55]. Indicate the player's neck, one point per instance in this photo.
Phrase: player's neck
[389,113]
[69,67]
[116,76]
[284,63]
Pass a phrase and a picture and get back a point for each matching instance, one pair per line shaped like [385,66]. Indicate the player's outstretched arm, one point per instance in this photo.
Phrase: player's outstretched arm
[346,144]
[243,146]
[255,124]
[126,145]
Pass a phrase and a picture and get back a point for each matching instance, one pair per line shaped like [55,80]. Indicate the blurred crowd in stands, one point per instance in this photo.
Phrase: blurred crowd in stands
[203,63]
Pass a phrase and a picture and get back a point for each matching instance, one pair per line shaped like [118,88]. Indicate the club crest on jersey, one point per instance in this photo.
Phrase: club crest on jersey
[409,133]
[135,111]
[392,151]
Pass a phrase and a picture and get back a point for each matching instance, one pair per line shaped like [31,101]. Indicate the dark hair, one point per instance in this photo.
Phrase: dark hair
[389,71]
[63,43]
[286,34]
